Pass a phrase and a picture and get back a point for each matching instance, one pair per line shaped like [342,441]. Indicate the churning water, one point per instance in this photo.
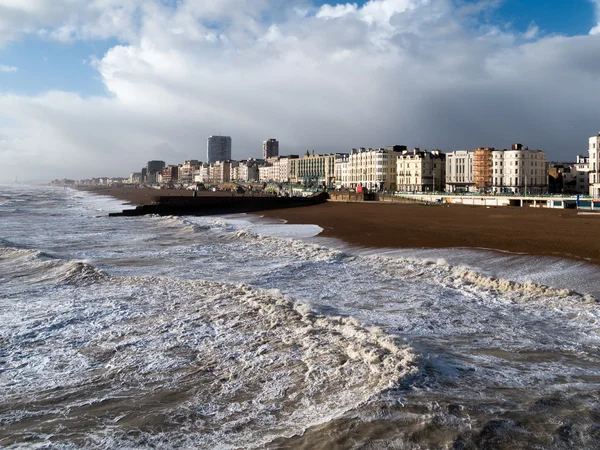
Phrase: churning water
[235,332]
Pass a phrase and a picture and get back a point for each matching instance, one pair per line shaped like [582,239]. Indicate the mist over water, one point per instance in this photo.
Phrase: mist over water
[235,332]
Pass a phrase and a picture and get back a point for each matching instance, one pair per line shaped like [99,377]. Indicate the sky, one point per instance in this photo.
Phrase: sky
[92,88]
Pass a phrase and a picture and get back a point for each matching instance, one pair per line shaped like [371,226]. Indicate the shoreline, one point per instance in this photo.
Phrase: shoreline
[530,231]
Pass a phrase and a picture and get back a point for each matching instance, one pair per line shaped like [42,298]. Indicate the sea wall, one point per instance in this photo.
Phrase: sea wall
[222,204]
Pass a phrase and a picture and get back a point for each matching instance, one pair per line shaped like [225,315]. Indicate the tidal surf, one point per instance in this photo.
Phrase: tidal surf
[235,332]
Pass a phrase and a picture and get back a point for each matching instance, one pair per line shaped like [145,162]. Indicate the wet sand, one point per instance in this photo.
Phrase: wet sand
[534,231]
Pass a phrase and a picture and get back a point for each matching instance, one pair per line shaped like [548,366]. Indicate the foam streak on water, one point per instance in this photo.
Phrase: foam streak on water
[234,332]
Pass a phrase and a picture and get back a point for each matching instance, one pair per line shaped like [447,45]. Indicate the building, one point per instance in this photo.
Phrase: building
[170,174]
[246,171]
[483,169]
[277,170]
[314,170]
[459,171]
[519,171]
[153,168]
[221,171]
[342,170]
[594,165]
[270,148]
[421,171]
[282,168]
[203,174]
[582,167]
[135,178]
[569,178]
[218,148]
[187,171]
[266,173]
[374,169]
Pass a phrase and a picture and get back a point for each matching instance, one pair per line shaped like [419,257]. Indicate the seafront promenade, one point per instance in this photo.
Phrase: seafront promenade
[535,201]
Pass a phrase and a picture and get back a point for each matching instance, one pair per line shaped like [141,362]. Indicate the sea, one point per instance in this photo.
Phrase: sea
[238,332]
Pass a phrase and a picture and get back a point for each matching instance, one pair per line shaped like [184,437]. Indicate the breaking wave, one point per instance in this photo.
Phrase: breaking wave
[195,363]
[439,270]
[35,266]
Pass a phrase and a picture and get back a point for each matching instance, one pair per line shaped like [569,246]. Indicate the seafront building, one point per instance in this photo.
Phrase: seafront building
[594,165]
[459,171]
[270,148]
[569,178]
[342,170]
[221,171]
[218,148]
[246,171]
[187,171]
[314,170]
[582,168]
[277,170]
[520,171]
[170,174]
[517,170]
[421,171]
[374,169]
[483,169]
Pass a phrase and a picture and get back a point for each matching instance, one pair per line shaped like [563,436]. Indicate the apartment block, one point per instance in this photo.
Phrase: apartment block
[519,171]
[270,148]
[313,170]
[374,169]
[421,171]
[169,174]
[218,148]
[342,170]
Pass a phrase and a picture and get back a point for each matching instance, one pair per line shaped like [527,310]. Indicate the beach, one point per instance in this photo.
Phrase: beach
[533,231]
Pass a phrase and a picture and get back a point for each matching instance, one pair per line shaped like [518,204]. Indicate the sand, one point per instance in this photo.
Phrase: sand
[534,231]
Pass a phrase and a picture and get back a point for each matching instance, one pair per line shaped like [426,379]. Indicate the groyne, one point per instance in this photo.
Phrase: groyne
[221,204]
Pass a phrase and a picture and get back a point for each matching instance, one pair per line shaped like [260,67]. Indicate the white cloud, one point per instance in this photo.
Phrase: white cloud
[414,72]
[337,11]
[532,32]
[4,68]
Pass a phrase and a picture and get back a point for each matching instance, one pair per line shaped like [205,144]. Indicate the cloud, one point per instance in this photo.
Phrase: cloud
[532,32]
[4,68]
[596,29]
[415,72]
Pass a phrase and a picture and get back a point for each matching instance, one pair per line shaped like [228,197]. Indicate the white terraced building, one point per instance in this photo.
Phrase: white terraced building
[374,168]
[277,170]
[519,171]
[421,171]
[246,171]
[342,170]
[459,171]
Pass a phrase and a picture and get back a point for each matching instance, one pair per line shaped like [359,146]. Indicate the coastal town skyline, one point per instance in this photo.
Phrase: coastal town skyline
[103,87]
[391,169]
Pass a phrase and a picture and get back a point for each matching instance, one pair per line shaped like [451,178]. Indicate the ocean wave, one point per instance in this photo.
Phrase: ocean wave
[210,364]
[463,277]
[35,266]
[438,270]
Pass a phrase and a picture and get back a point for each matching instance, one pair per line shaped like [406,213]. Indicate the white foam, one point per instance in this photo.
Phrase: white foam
[255,356]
